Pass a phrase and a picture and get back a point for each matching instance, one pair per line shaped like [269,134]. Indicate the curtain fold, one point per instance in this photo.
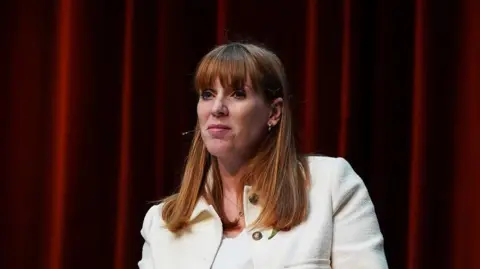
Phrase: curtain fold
[97,96]
[417,155]
[466,217]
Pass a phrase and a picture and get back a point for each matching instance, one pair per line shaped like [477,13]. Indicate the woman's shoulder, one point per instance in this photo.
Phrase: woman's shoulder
[153,218]
[336,173]
[321,166]
[336,176]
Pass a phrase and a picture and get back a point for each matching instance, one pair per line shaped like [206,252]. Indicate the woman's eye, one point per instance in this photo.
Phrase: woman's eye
[206,94]
[239,94]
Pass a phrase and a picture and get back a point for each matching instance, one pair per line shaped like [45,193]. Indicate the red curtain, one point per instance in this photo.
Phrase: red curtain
[96,94]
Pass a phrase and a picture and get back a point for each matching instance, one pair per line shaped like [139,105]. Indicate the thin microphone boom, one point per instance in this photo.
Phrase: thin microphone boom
[188,132]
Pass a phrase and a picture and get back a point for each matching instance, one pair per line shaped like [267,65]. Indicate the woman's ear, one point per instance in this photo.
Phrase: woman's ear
[276,111]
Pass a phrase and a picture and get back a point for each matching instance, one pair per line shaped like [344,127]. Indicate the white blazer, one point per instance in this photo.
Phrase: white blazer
[340,232]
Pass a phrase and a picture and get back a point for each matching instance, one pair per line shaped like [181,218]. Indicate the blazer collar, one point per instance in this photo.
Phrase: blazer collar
[201,207]
[251,210]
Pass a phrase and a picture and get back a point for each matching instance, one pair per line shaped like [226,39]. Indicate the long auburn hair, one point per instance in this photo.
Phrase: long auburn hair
[277,173]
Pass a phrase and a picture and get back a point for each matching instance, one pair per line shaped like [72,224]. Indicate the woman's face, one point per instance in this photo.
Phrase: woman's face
[232,121]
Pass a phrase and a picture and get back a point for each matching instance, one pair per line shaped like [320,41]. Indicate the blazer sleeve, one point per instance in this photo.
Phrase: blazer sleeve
[357,239]
[146,261]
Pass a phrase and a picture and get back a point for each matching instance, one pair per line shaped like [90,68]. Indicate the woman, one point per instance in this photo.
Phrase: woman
[248,199]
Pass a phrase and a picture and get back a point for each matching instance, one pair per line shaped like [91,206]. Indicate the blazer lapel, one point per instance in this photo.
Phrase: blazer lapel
[197,246]
[252,210]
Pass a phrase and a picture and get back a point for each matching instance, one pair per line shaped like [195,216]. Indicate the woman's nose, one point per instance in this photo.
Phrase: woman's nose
[219,108]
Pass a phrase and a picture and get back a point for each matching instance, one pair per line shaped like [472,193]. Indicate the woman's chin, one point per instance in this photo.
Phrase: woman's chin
[219,150]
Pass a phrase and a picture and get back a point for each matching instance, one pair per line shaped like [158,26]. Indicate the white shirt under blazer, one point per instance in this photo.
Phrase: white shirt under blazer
[341,230]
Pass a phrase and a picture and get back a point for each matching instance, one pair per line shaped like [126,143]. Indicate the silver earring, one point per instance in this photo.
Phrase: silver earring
[269,126]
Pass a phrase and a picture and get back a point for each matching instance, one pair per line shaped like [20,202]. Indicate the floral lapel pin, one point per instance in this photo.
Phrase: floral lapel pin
[274,232]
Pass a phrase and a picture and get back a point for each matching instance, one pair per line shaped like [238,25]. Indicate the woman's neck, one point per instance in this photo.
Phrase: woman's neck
[231,173]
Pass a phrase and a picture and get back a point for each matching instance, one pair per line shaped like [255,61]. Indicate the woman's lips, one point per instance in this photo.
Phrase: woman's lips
[218,130]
